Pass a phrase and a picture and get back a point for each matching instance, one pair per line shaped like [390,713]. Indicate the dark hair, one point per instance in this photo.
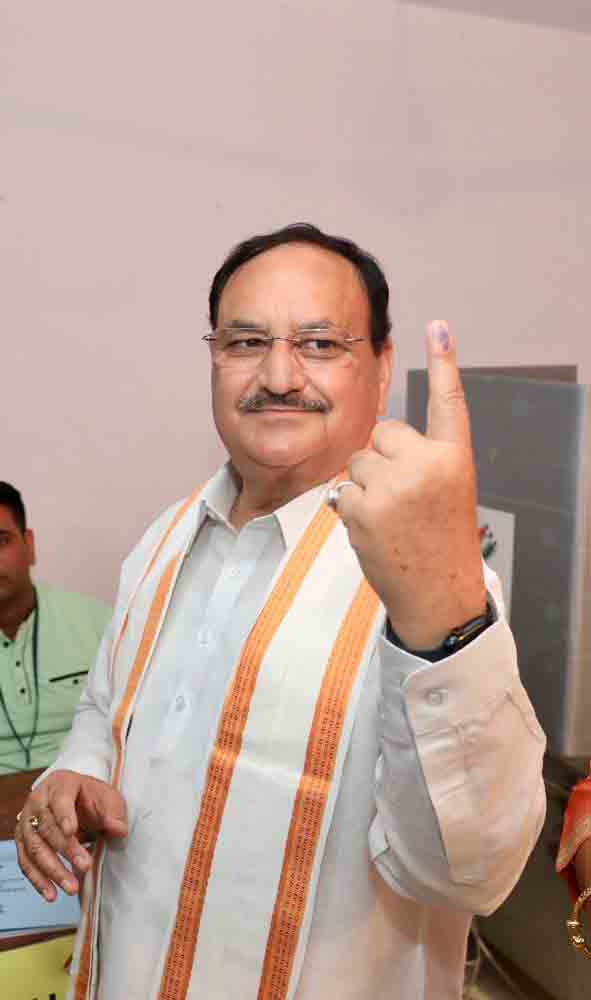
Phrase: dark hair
[11,498]
[367,266]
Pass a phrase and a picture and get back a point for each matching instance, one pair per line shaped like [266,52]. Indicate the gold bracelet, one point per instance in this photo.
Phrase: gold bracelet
[574,927]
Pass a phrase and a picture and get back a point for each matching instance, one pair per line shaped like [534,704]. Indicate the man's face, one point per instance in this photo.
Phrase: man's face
[17,555]
[282,292]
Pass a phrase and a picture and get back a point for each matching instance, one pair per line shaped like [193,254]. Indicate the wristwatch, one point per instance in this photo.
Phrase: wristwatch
[456,640]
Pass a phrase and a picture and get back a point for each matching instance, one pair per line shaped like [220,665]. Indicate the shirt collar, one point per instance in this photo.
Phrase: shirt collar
[219,494]
[22,632]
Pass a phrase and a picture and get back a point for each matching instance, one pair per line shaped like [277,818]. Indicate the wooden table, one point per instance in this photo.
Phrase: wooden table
[14,789]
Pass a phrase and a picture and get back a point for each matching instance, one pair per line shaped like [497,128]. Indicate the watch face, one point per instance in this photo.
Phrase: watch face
[460,636]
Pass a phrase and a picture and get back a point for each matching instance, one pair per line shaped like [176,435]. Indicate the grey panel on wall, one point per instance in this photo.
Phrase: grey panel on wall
[575,15]
[545,373]
[532,450]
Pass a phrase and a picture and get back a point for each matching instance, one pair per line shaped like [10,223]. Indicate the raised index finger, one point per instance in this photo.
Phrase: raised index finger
[447,415]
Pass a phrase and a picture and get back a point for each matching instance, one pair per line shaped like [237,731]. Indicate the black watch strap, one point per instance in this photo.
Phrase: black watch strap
[456,640]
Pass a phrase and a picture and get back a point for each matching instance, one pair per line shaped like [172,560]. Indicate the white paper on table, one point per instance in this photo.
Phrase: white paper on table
[21,906]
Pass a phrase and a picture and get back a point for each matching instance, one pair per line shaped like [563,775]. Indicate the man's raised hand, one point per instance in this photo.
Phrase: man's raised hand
[411,513]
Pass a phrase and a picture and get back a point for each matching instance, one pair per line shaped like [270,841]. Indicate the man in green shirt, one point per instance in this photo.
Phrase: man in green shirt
[48,641]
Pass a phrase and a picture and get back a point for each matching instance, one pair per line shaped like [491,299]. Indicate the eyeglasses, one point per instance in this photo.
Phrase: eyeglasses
[242,348]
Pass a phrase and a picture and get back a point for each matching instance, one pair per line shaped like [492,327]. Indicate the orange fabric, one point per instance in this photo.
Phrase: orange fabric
[166,534]
[312,794]
[85,963]
[137,670]
[575,829]
[135,676]
[179,960]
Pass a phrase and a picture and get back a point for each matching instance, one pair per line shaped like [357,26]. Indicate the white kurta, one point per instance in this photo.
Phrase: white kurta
[440,802]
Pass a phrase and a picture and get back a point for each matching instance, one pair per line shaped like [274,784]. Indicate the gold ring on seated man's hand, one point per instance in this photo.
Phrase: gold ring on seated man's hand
[574,927]
[33,821]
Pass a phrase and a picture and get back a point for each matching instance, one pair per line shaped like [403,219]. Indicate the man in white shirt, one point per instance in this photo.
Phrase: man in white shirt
[305,747]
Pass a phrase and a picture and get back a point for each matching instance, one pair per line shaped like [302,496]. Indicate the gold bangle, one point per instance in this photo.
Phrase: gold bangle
[574,927]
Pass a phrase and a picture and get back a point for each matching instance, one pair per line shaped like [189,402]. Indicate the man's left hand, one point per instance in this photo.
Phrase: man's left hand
[411,513]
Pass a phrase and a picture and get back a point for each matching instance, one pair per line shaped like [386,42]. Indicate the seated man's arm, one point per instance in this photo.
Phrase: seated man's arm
[459,790]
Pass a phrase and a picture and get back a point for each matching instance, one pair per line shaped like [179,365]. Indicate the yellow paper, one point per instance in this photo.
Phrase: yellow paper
[37,971]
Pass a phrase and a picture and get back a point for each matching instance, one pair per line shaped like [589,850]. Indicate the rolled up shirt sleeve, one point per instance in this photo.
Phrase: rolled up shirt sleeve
[459,791]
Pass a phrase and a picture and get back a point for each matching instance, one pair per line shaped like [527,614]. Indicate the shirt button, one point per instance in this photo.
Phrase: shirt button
[180,702]
[204,636]
[233,571]
[17,663]
[6,644]
[435,697]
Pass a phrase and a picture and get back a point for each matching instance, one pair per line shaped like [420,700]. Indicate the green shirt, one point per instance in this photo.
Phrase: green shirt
[69,630]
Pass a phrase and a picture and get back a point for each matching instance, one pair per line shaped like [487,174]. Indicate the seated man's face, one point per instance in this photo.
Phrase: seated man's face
[282,292]
[17,555]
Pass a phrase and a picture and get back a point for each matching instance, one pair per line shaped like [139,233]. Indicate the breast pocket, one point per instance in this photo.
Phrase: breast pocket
[60,693]
[72,680]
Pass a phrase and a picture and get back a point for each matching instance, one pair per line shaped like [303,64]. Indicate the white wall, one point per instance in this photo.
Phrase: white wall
[144,140]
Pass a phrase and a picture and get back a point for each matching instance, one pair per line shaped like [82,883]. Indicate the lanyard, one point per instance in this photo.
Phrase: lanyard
[26,747]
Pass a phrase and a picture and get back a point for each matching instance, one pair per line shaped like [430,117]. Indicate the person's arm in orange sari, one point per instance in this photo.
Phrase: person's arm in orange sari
[574,854]
[582,863]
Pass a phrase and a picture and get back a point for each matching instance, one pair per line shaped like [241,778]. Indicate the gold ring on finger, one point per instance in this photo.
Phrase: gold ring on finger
[332,497]
[34,822]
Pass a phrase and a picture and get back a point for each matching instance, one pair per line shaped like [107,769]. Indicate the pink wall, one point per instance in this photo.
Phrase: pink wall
[144,140]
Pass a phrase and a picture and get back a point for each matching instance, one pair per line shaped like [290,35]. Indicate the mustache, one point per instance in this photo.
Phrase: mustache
[293,400]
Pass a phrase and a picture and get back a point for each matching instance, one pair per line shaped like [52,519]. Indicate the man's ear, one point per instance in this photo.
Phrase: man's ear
[30,544]
[385,367]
